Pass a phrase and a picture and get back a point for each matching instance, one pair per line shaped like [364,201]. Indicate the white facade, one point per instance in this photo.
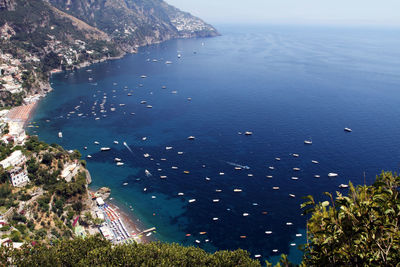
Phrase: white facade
[19,177]
[15,159]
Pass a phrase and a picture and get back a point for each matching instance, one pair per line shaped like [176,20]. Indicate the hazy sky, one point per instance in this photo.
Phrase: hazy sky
[386,12]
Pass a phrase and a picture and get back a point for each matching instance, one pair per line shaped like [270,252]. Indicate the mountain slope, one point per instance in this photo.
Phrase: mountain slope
[133,23]
[38,36]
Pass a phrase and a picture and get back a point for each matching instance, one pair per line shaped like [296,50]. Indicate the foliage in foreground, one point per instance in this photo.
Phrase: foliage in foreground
[95,251]
[361,229]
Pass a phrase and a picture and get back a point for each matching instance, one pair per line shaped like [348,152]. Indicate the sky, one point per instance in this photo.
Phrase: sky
[350,12]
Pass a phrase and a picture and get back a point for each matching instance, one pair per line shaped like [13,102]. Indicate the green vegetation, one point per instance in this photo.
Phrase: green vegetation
[361,229]
[94,251]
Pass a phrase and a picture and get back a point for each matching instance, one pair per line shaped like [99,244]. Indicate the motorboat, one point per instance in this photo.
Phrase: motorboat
[348,130]
[332,174]
[60,135]
[105,149]
[191,137]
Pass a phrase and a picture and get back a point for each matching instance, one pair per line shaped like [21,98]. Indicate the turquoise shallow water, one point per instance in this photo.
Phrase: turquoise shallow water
[286,84]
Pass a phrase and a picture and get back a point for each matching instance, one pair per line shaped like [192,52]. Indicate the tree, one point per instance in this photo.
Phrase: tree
[361,229]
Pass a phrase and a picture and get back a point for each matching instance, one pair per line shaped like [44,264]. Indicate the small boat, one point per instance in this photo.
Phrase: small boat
[275,250]
[129,94]
[269,176]
[295,178]
[219,190]
[60,135]
[292,195]
[125,184]
[163,177]
[120,163]
[332,174]
[180,153]
[163,87]
[317,176]
[105,149]
[250,175]
[221,173]
[308,142]
[85,148]
[245,214]
[121,105]
[348,130]
[289,223]
[271,168]
[186,172]
[295,155]
[174,167]
[314,161]
[215,200]
[179,55]
[143,102]
[143,76]
[191,137]
[149,106]
[275,188]
[189,99]
[146,155]
[192,200]
[268,232]
[203,233]
[96,143]
[277,159]
[292,244]
[248,133]
[237,190]
[144,138]
[296,169]
[168,148]
[89,156]
[197,241]
[215,219]
[238,168]
[257,256]
[148,174]
[299,235]
[168,62]
[344,186]
[116,142]
[181,194]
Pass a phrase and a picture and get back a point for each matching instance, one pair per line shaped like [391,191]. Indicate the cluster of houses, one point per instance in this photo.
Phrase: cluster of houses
[10,74]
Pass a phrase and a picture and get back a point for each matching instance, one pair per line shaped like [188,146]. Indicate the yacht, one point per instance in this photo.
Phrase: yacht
[96,143]
[296,169]
[237,190]
[317,176]
[143,102]
[192,200]
[60,134]
[168,148]
[143,76]
[295,155]
[191,137]
[348,130]
[149,106]
[332,174]
[163,177]
[314,161]
[148,174]
[120,163]
[248,133]
[308,142]
[105,149]
[168,62]
[116,142]
[343,186]
[292,195]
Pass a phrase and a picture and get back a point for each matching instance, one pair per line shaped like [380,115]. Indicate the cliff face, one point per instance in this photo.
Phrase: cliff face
[133,23]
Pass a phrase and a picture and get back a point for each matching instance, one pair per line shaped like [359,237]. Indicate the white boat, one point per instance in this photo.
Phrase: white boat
[295,155]
[278,159]
[191,137]
[236,190]
[117,159]
[121,105]
[292,195]
[143,76]
[219,190]
[332,174]
[215,200]
[146,155]
[271,168]
[348,130]
[180,153]
[149,106]
[308,142]
[289,223]
[179,55]
[295,178]
[299,235]
[143,102]
[275,188]
[105,149]
[314,161]
[60,135]
[144,138]
[245,214]
[344,186]
[116,142]
[148,174]
[96,143]
[269,176]
[248,133]
[168,62]
[296,169]
[89,156]
[192,200]
[174,167]
[120,163]
[85,148]
[215,219]
[268,232]
[168,148]
[317,176]
[125,184]
[221,173]
[181,194]
[163,177]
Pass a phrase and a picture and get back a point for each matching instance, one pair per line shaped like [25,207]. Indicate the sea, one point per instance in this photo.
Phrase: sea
[284,84]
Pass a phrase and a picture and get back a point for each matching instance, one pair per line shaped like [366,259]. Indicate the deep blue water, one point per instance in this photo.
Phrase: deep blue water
[285,84]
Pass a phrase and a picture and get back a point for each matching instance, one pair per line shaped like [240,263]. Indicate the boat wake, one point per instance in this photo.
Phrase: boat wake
[245,167]
[130,150]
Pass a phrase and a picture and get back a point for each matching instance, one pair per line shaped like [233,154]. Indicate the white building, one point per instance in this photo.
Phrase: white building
[15,159]
[100,201]
[19,177]
[106,232]
[70,171]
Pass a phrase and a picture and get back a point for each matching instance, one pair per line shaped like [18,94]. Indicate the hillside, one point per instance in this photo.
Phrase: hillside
[39,36]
